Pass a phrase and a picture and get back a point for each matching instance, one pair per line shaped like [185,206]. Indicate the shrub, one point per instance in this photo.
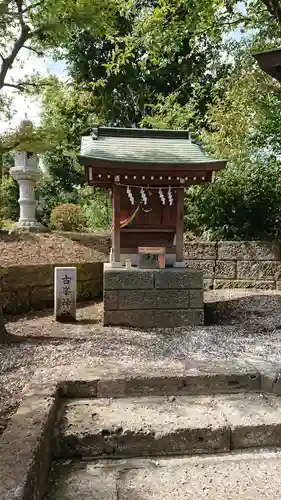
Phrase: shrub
[243,204]
[9,194]
[97,207]
[68,217]
[50,194]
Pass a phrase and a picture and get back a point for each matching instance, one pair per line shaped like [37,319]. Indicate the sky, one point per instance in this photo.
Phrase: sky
[28,63]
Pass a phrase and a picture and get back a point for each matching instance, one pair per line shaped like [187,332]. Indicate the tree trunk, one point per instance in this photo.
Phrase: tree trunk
[5,336]
[274,8]
[3,332]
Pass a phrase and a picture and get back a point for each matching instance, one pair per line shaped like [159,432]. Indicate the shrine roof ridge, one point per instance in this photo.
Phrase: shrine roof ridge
[134,132]
[268,51]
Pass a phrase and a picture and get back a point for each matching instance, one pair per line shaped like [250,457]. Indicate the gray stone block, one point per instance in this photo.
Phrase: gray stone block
[41,297]
[27,276]
[110,299]
[79,388]
[259,270]
[89,271]
[202,250]
[155,299]
[225,269]
[254,422]
[258,285]
[196,299]
[208,284]
[142,426]
[15,301]
[124,279]
[178,278]
[206,266]
[248,250]
[135,319]
[177,318]
[87,290]
[269,374]
[112,388]
[232,477]
[26,445]
[78,481]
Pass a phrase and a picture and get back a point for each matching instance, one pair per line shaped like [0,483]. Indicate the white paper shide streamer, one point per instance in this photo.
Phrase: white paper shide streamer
[170,196]
[143,196]
[162,197]
[130,195]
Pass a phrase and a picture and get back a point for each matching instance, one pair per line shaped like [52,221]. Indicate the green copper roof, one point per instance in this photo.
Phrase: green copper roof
[142,146]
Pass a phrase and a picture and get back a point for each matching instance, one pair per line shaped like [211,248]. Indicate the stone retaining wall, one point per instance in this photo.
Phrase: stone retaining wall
[226,264]
[24,288]
[236,264]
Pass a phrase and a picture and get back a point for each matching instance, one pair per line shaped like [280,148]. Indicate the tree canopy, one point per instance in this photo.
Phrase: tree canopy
[154,63]
[42,25]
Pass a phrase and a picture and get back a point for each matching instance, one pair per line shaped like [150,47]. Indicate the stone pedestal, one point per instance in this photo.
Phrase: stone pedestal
[153,298]
[27,173]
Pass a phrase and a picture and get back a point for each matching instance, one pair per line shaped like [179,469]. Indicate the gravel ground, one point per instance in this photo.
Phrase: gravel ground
[248,327]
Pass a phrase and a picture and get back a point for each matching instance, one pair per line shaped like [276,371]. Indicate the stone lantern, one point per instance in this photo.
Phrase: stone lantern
[27,173]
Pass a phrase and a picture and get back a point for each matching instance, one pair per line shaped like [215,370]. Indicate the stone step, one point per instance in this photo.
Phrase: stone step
[190,382]
[251,475]
[160,425]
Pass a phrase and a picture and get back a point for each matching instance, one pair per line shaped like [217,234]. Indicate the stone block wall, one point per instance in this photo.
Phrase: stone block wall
[25,288]
[226,264]
[236,264]
[153,297]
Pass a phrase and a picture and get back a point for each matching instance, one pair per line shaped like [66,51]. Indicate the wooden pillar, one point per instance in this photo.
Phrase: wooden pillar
[116,224]
[180,225]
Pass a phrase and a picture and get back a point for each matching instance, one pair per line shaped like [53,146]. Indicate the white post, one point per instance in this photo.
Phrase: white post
[65,293]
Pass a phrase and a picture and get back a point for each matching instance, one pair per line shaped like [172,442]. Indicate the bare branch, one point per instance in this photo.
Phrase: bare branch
[17,86]
[31,7]
[20,13]
[21,85]
[38,52]
[274,8]
[274,88]
[8,61]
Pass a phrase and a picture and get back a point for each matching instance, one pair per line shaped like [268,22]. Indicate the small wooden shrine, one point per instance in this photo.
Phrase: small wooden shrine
[147,171]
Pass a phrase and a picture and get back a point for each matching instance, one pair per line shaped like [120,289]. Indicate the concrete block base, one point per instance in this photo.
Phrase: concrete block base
[153,298]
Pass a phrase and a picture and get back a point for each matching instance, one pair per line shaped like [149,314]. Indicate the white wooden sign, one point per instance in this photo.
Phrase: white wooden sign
[151,257]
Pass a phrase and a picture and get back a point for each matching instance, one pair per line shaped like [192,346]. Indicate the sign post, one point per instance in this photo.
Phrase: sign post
[65,293]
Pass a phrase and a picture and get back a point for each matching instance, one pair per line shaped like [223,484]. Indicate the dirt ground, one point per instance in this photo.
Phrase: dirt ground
[48,248]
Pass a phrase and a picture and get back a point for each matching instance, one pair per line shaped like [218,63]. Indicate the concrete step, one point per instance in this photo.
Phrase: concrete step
[235,476]
[160,425]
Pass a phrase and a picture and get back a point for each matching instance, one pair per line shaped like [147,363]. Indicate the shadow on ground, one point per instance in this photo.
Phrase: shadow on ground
[247,309]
